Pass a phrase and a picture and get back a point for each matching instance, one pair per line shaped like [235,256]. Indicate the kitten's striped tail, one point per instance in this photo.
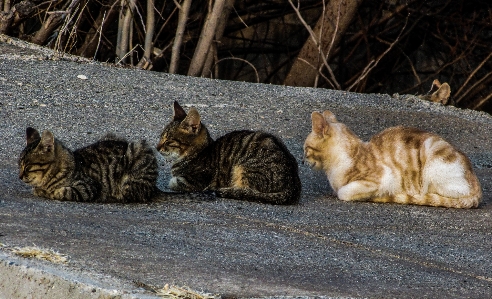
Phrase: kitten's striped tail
[287,197]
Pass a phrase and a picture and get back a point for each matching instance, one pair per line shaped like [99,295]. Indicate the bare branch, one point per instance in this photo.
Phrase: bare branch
[219,32]
[482,101]
[100,35]
[471,75]
[93,38]
[319,70]
[51,23]
[473,87]
[206,36]
[164,25]
[125,31]
[178,39]
[243,60]
[332,82]
[149,34]
[373,62]
[239,17]
[414,72]
[177,5]
[128,54]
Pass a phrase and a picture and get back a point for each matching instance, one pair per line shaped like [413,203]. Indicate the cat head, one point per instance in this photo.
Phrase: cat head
[440,93]
[327,140]
[184,135]
[37,156]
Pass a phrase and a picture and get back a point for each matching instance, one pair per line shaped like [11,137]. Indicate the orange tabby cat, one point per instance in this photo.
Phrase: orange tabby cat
[400,165]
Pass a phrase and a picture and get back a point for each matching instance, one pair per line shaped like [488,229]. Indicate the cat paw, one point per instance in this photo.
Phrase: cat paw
[179,184]
[63,193]
[209,192]
[58,194]
[39,192]
[225,192]
[174,184]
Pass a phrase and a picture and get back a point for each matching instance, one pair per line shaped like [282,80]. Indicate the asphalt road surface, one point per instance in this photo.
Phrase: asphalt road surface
[320,247]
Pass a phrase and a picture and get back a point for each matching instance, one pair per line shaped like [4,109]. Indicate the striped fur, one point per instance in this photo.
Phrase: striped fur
[400,165]
[110,170]
[247,165]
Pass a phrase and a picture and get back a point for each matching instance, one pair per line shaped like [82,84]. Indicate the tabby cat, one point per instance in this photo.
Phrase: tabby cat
[439,93]
[247,165]
[400,165]
[110,170]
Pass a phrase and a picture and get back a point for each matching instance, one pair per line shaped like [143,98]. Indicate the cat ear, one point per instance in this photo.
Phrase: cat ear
[329,116]
[47,141]
[442,94]
[31,135]
[436,83]
[319,123]
[179,113]
[191,123]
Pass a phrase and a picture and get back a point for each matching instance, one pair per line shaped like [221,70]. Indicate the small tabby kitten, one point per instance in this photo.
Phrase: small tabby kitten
[248,165]
[400,165]
[110,170]
[440,93]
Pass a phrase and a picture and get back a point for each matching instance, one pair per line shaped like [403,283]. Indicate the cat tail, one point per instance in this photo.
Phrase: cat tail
[139,184]
[287,197]
[437,200]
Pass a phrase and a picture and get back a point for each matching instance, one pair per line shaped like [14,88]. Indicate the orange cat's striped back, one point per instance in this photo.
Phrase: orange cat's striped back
[401,165]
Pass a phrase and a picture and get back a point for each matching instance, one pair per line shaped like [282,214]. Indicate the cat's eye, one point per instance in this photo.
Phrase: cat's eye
[171,143]
[34,167]
[309,150]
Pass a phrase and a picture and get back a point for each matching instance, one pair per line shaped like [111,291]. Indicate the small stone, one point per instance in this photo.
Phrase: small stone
[83,77]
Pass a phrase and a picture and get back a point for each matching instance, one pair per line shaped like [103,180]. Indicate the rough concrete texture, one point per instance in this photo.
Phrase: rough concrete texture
[320,247]
[20,278]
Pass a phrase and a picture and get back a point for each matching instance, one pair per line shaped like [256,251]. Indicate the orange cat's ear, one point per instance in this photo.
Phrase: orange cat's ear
[47,141]
[329,116]
[319,123]
[191,123]
[179,113]
[31,135]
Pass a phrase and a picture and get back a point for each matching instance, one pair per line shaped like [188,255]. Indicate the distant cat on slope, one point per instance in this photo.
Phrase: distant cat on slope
[400,165]
[110,170]
[248,165]
[440,93]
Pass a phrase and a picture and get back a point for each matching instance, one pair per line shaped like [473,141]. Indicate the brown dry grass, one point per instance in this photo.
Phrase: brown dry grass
[41,254]
[174,292]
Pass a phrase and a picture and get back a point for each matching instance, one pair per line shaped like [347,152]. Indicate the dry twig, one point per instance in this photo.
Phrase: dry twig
[372,64]
[471,76]
[243,60]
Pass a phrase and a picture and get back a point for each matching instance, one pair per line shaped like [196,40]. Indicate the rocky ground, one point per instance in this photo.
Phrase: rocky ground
[320,247]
